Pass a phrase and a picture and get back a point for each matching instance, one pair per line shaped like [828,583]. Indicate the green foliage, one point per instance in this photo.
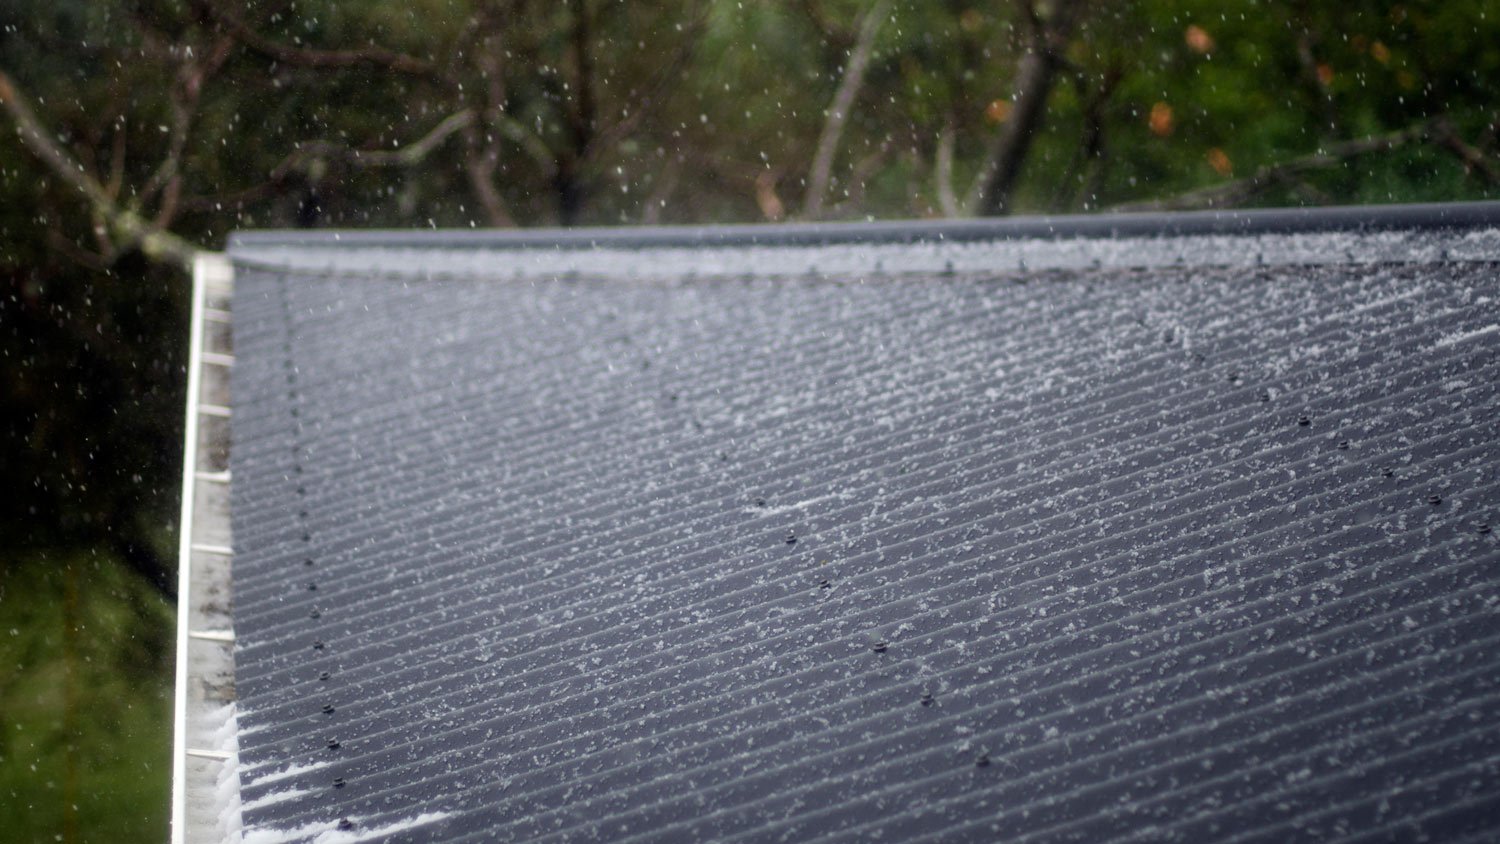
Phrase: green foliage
[85,704]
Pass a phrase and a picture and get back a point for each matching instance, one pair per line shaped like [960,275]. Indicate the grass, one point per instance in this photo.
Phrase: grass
[85,701]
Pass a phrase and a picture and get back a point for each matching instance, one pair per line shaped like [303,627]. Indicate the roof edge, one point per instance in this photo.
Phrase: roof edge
[204,752]
[1359,218]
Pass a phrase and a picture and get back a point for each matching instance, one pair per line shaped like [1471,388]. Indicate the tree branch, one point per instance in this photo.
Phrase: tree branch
[834,35]
[1474,161]
[183,98]
[480,162]
[943,172]
[1229,194]
[821,171]
[1090,152]
[1035,73]
[408,156]
[309,57]
[126,224]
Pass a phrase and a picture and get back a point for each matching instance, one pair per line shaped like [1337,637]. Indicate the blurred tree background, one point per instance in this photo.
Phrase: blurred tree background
[135,131]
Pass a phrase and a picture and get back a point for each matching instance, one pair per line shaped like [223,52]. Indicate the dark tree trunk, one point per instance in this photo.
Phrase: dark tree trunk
[570,181]
[1035,75]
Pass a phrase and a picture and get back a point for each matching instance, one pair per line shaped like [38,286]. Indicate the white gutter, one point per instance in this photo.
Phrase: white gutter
[204,756]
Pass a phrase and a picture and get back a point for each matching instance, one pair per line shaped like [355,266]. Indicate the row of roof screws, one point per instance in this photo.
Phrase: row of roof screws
[312,586]
[1344,445]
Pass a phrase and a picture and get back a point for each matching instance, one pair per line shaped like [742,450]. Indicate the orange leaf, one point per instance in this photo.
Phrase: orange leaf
[1160,120]
[1198,39]
[1219,160]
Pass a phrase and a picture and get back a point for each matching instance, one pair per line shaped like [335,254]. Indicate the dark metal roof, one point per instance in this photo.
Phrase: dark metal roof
[1184,552]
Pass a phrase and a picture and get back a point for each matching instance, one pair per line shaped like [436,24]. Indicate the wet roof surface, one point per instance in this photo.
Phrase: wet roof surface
[1180,552]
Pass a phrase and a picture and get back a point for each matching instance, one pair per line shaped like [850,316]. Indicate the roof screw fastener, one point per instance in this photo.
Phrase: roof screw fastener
[879,647]
[327,709]
[1434,500]
[318,645]
[324,675]
[1343,445]
[345,824]
[312,587]
[315,614]
[791,538]
[982,760]
[338,782]
[333,744]
[1304,421]
[927,698]
[1482,527]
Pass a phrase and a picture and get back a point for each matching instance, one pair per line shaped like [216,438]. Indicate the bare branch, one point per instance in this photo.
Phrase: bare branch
[1474,161]
[408,156]
[527,140]
[943,173]
[167,171]
[127,225]
[59,242]
[1230,194]
[116,161]
[183,100]
[481,173]
[771,206]
[838,37]
[821,171]
[1089,155]
[480,162]
[308,57]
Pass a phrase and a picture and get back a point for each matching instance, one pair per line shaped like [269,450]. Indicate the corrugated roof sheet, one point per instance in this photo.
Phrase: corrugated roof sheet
[1178,552]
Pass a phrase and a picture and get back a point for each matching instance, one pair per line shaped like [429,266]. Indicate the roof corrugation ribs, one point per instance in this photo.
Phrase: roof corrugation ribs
[1182,552]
